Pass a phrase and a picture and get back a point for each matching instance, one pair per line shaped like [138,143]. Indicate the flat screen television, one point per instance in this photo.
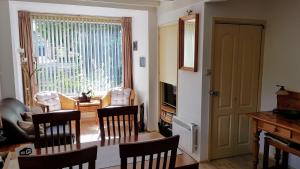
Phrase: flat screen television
[169,95]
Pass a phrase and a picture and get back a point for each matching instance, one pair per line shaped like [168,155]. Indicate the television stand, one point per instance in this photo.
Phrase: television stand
[167,113]
[168,99]
[166,116]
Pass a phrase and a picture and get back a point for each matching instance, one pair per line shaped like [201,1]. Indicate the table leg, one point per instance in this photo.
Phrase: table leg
[266,154]
[285,160]
[256,134]
[277,157]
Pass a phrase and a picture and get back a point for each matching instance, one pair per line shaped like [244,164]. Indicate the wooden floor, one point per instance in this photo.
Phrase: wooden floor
[90,132]
[239,162]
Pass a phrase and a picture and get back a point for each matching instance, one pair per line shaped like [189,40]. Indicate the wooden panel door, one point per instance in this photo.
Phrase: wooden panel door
[224,78]
[235,84]
[248,83]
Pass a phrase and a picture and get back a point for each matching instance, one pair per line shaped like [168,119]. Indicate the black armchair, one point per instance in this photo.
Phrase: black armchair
[11,110]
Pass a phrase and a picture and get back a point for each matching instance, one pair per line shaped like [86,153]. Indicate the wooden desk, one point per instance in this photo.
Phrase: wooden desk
[183,160]
[275,124]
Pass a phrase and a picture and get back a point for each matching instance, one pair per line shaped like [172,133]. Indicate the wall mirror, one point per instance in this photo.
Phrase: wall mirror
[188,42]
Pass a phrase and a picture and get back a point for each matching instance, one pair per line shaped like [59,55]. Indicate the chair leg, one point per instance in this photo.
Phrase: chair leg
[266,154]
[285,160]
[277,158]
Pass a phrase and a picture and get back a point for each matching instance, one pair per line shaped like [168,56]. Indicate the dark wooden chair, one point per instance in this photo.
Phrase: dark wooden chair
[57,128]
[120,121]
[142,114]
[60,160]
[280,146]
[150,148]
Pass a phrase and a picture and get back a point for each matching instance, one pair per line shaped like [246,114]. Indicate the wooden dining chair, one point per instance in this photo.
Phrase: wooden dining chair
[60,160]
[120,121]
[158,149]
[280,146]
[55,129]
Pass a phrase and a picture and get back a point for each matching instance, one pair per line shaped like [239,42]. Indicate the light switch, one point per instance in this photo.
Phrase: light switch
[142,61]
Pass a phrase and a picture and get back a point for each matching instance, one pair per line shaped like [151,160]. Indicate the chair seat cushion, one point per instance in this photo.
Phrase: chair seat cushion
[50,99]
[28,127]
[120,97]
[27,116]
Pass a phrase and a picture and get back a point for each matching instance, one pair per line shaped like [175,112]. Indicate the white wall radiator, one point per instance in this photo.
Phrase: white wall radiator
[187,133]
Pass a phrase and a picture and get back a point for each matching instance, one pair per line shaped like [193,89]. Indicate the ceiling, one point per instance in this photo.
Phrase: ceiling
[153,3]
[132,3]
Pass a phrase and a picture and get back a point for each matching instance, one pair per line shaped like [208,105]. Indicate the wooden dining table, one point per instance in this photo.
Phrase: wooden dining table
[107,152]
[275,124]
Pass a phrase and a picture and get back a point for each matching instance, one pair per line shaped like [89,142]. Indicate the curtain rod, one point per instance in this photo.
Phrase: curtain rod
[78,17]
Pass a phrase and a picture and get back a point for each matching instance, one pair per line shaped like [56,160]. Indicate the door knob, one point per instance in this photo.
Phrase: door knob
[214,93]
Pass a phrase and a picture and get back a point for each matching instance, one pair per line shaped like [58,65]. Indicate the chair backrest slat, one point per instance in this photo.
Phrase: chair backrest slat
[52,137]
[151,161]
[151,148]
[143,162]
[60,160]
[120,116]
[158,160]
[108,126]
[64,133]
[124,128]
[129,124]
[45,134]
[113,122]
[55,134]
[124,163]
[77,129]
[165,159]
[119,127]
[134,162]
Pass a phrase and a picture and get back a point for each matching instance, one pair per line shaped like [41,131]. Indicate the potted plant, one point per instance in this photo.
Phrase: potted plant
[85,96]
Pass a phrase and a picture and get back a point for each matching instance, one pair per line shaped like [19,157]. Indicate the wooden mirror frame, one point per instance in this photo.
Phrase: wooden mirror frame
[181,42]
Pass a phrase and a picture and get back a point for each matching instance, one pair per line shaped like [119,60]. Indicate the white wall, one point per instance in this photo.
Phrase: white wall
[6,64]
[0,87]
[282,50]
[282,53]
[189,83]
